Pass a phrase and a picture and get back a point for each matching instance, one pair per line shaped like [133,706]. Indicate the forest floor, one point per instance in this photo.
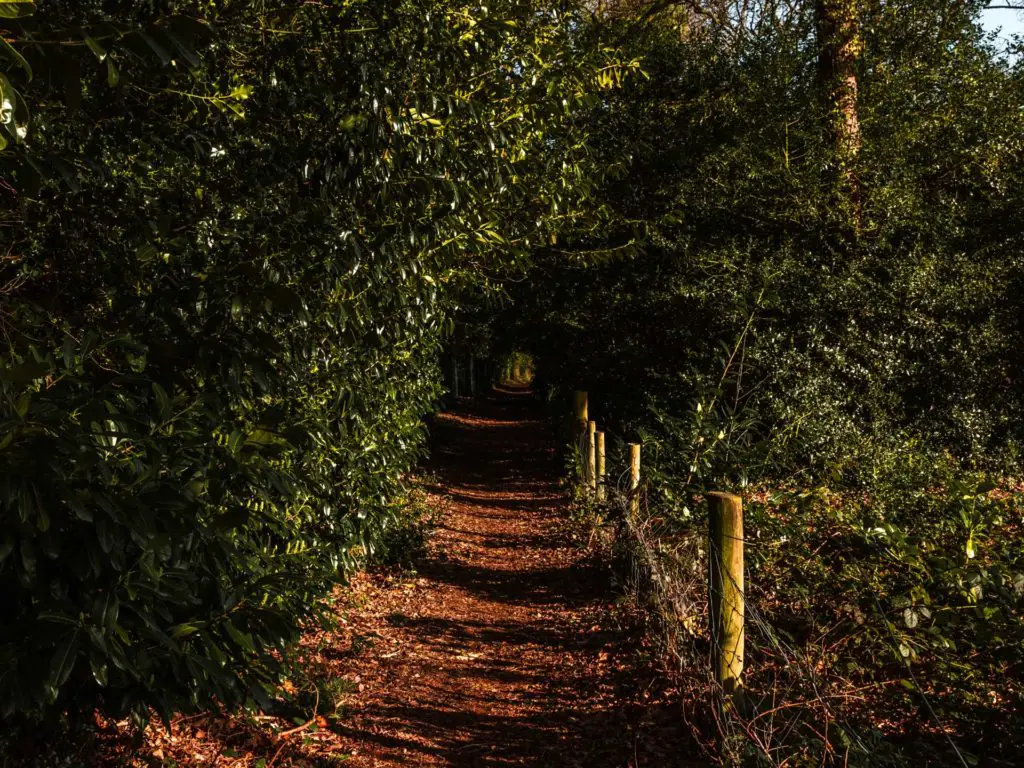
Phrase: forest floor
[507,644]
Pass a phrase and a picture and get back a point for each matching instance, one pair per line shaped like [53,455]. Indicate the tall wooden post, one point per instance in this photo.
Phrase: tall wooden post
[726,591]
[455,376]
[580,411]
[634,480]
[601,491]
[472,376]
[579,427]
[592,456]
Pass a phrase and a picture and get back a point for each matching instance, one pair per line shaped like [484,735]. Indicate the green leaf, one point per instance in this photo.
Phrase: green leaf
[235,441]
[57,618]
[163,401]
[16,9]
[97,49]
[12,53]
[63,660]
[183,48]
[146,252]
[160,51]
[68,351]
[99,670]
[244,639]
[13,112]
[183,630]
[910,618]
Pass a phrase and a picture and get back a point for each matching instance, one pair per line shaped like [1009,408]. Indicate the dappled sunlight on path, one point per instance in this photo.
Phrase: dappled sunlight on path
[507,646]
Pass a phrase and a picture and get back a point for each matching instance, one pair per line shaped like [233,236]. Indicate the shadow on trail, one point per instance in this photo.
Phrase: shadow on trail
[560,586]
[510,656]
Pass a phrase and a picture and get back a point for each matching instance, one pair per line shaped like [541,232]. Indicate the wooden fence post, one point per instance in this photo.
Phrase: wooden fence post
[600,467]
[592,456]
[634,480]
[725,591]
[580,410]
[472,376]
[455,375]
[579,427]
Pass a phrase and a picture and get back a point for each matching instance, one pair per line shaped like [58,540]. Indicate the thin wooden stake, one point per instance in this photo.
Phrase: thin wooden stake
[472,376]
[455,376]
[592,456]
[600,467]
[726,591]
[634,480]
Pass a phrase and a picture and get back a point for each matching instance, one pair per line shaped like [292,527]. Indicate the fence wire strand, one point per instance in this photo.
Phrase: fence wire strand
[786,690]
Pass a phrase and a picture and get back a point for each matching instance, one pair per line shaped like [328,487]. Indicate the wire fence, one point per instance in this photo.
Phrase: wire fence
[795,707]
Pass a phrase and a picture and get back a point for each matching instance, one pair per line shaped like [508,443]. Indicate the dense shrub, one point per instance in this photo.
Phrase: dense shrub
[231,254]
[722,308]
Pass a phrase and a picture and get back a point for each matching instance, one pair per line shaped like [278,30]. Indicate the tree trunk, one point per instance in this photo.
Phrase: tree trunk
[840,48]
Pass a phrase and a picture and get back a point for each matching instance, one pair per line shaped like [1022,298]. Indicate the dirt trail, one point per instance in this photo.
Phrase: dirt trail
[507,648]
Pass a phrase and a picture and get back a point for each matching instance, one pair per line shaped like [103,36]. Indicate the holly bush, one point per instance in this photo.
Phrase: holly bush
[721,306]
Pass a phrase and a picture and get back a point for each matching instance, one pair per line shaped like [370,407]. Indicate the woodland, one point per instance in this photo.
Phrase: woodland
[779,243]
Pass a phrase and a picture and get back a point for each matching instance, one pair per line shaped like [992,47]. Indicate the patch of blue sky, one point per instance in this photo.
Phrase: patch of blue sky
[1005,22]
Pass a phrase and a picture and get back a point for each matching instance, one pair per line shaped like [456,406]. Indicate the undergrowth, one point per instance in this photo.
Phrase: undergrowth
[405,541]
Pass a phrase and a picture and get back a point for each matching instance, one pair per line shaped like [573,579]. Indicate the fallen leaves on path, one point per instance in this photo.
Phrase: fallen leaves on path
[506,646]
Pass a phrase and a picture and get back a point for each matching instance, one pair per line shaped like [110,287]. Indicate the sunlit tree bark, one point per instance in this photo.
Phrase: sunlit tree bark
[840,47]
